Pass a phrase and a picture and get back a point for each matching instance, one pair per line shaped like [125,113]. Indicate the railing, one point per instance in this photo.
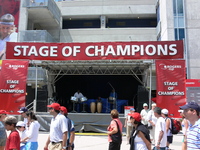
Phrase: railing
[50,4]
[35,36]
[32,106]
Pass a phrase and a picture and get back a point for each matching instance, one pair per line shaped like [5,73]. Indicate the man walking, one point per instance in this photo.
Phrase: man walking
[58,129]
[160,131]
[191,113]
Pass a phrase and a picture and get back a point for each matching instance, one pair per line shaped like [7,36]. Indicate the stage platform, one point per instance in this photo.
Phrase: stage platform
[84,122]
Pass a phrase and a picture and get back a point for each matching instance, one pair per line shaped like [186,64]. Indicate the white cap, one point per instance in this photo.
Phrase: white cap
[154,104]
[20,124]
[181,111]
[145,104]
[164,111]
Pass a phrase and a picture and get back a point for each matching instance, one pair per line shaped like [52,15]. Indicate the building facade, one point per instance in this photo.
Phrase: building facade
[111,21]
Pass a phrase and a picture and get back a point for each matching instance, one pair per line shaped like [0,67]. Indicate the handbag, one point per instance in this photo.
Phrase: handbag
[117,137]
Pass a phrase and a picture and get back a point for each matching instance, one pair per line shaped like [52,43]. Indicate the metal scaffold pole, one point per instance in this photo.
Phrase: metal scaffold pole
[36,82]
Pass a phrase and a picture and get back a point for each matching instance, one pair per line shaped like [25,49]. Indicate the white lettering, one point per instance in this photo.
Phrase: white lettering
[65,49]
[87,51]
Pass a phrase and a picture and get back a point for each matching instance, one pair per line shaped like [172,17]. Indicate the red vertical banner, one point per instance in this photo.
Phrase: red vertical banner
[13,75]
[170,85]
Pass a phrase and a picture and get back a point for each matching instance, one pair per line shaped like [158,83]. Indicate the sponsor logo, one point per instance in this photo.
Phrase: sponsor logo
[169,67]
[14,67]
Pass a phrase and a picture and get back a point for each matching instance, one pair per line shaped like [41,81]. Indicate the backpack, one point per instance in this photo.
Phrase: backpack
[176,126]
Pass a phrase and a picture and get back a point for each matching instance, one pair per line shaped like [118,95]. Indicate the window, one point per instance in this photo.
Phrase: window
[179,24]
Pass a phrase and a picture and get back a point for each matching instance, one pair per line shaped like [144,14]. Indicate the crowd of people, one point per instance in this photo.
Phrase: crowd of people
[153,128]
[145,130]
[24,134]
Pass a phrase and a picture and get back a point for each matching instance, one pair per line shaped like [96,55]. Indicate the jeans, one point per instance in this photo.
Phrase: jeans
[161,148]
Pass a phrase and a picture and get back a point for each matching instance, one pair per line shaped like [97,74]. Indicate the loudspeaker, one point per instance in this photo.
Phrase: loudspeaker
[42,98]
[142,97]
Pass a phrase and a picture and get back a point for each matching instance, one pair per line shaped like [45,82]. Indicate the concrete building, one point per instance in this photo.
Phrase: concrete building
[111,20]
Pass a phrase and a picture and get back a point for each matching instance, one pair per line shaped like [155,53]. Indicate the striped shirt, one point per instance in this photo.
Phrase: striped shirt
[193,136]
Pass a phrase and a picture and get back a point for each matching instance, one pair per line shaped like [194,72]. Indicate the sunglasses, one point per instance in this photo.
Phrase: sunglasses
[50,108]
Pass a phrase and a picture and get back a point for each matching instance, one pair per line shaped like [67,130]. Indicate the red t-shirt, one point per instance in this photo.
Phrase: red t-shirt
[13,141]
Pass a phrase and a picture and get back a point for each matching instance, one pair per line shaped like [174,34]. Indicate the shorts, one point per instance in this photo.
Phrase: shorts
[31,145]
[169,139]
[2,142]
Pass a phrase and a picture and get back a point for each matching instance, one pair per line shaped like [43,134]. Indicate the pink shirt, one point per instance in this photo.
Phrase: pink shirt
[114,125]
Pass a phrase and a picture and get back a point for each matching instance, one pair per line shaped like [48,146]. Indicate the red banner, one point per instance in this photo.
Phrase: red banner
[192,90]
[13,75]
[192,83]
[95,51]
[171,85]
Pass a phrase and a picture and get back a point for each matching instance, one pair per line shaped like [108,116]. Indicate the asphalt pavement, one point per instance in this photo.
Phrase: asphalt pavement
[95,141]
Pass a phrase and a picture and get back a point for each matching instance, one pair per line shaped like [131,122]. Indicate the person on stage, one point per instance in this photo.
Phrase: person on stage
[113,99]
[78,95]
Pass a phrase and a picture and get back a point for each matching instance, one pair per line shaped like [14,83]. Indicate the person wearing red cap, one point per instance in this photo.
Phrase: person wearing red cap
[140,138]
[113,128]
[57,138]
[3,136]
[71,129]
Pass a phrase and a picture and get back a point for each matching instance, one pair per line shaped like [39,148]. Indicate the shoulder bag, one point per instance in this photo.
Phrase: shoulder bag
[117,137]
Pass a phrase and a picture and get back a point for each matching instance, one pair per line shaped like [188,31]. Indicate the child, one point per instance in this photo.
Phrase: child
[13,140]
[22,131]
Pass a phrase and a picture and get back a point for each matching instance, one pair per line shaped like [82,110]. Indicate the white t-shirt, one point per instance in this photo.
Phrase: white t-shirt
[33,131]
[160,126]
[10,38]
[169,133]
[151,116]
[144,114]
[59,125]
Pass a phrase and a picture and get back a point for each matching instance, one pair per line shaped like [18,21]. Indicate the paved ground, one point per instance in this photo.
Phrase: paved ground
[99,142]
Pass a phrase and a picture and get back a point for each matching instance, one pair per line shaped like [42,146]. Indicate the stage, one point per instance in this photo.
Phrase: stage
[84,122]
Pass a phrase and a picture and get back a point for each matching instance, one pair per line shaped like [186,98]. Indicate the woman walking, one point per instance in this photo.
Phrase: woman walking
[140,139]
[32,132]
[114,128]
